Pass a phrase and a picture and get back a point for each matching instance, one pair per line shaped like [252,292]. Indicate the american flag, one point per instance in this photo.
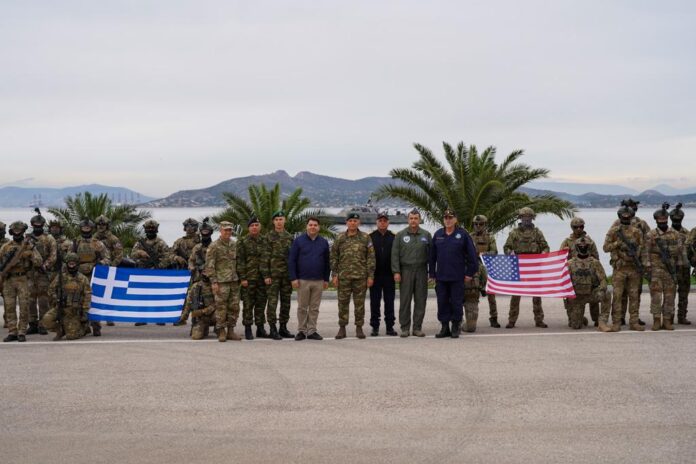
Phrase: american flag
[543,274]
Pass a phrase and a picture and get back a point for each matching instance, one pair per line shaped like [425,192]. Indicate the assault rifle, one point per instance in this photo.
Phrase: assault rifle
[632,251]
[196,304]
[10,259]
[153,257]
[666,260]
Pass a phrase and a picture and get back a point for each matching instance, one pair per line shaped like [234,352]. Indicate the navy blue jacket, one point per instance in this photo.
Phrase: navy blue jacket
[309,259]
[452,257]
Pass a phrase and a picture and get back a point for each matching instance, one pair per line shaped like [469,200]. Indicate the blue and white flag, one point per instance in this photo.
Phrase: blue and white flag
[137,295]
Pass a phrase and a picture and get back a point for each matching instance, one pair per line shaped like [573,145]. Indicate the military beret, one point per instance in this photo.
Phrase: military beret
[224,225]
[382,215]
[252,220]
[352,216]
[279,213]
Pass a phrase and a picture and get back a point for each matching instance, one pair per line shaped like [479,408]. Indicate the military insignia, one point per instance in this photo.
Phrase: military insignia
[458,236]
[407,239]
[424,239]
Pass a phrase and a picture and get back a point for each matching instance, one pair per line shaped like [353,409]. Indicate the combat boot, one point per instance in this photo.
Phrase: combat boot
[341,333]
[10,338]
[359,332]
[260,331]
[637,327]
[683,320]
[375,332]
[231,335]
[510,325]
[284,332]
[657,323]
[33,328]
[471,325]
[222,334]
[21,338]
[96,330]
[248,334]
[274,332]
[667,323]
[391,332]
[444,331]
[456,327]
[59,334]
[616,327]
[42,330]
[603,327]
[541,324]
[640,322]
[494,322]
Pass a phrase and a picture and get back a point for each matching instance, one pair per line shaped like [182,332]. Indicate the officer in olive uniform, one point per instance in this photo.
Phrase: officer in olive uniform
[590,285]
[485,245]
[683,271]
[353,267]
[90,251]
[70,295]
[17,258]
[626,245]
[577,226]
[277,281]
[39,277]
[252,266]
[665,253]
[526,239]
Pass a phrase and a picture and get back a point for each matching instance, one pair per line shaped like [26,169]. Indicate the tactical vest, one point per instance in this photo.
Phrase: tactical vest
[583,276]
[526,241]
[72,291]
[482,242]
[669,241]
[40,245]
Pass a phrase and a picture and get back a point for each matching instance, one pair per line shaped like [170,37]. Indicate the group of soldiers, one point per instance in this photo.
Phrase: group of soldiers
[46,275]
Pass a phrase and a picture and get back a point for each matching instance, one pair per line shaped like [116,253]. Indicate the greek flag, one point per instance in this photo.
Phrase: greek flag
[137,295]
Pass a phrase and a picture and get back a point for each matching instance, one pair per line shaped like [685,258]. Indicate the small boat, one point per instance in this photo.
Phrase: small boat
[368,215]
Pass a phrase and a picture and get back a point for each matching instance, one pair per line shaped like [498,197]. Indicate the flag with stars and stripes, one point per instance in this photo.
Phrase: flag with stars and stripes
[543,274]
[138,295]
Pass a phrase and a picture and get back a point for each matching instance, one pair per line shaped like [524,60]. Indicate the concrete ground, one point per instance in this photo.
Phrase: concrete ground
[528,395]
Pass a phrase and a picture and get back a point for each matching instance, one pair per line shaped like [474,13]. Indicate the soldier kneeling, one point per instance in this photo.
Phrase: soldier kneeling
[202,309]
[590,284]
[70,296]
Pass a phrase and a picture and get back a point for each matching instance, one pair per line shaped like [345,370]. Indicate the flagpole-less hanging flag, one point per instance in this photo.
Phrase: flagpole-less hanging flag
[543,275]
[138,295]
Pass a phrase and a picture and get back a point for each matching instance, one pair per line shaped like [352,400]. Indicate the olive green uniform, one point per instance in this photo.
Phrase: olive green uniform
[281,288]
[409,257]
[352,261]
[252,266]
[15,283]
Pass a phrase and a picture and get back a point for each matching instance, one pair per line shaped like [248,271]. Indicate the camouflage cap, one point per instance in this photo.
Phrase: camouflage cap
[279,213]
[352,216]
[223,225]
[449,213]
[72,257]
[577,222]
[18,227]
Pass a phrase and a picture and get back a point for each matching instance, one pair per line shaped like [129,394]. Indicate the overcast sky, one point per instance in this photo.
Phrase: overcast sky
[160,96]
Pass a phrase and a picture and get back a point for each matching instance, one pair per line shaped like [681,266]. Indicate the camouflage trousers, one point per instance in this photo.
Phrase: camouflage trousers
[186,311]
[492,307]
[594,310]
[71,322]
[227,305]
[471,305]
[683,287]
[254,299]
[627,283]
[357,288]
[280,288]
[663,291]
[624,299]
[576,309]
[38,296]
[204,316]
[515,309]
[15,291]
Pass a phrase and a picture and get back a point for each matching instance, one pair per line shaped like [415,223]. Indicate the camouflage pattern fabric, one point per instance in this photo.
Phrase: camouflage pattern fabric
[626,278]
[46,245]
[485,244]
[91,252]
[204,316]
[16,285]
[525,240]
[113,244]
[151,254]
[663,285]
[590,285]
[683,278]
[183,247]
[281,288]
[357,288]
[352,261]
[227,305]
[77,295]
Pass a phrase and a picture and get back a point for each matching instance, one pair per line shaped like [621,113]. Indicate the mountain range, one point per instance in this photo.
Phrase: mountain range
[14,197]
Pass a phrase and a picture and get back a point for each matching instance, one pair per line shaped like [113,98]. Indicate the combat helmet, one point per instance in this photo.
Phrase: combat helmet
[151,224]
[103,221]
[18,228]
[625,211]
[661,213]
[205,226]
[526,211]
[72,257]
[577,222]
[481,219]
[86,222]
[582,246]
[676,215]
[38,220]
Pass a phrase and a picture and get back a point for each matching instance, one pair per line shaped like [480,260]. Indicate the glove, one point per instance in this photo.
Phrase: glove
[197,313]
[483,291]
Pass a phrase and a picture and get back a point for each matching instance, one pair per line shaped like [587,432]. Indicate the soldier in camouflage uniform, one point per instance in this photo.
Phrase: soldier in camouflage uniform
[221,268]
[644,228]
[526,239]
[76,295]
[625,243]
[278,280]
[200,297]
[590,285]
[577,225]
[17,258]
[181,251]
[90,252]
[353,267]
[665,252]
[252,266]
[472,289]
[3,240]
[39,277]
[485,245]
[64,244]
[151,252]
[683,271]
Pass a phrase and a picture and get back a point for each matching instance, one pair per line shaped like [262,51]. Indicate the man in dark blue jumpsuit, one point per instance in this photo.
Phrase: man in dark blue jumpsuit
[383,286]
[452,261]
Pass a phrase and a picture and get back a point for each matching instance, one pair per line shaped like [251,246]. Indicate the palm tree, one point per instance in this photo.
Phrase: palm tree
[263,202]
[470,184]
[125,219]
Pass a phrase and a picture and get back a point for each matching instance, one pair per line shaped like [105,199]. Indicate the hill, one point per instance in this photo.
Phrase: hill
[17,197]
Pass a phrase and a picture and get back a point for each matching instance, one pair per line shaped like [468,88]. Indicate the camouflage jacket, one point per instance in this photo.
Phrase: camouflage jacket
[183,246]
[221,262]
[278,253]
[637,222]
[77,293]
[197,260]
[587,275]
[151,254]
[353,256]
[526,240]
[691,247]
[91,252]
[620,254]
[30,259]
[252,258]
[64,244]
[113,244]
[670,244]
[485,243]
[46,245]
[569,244]
[684,233]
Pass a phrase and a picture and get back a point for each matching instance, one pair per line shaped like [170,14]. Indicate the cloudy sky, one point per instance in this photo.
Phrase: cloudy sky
[160,96]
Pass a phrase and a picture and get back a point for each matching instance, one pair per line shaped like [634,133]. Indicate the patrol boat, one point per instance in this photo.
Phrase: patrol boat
[368,215]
